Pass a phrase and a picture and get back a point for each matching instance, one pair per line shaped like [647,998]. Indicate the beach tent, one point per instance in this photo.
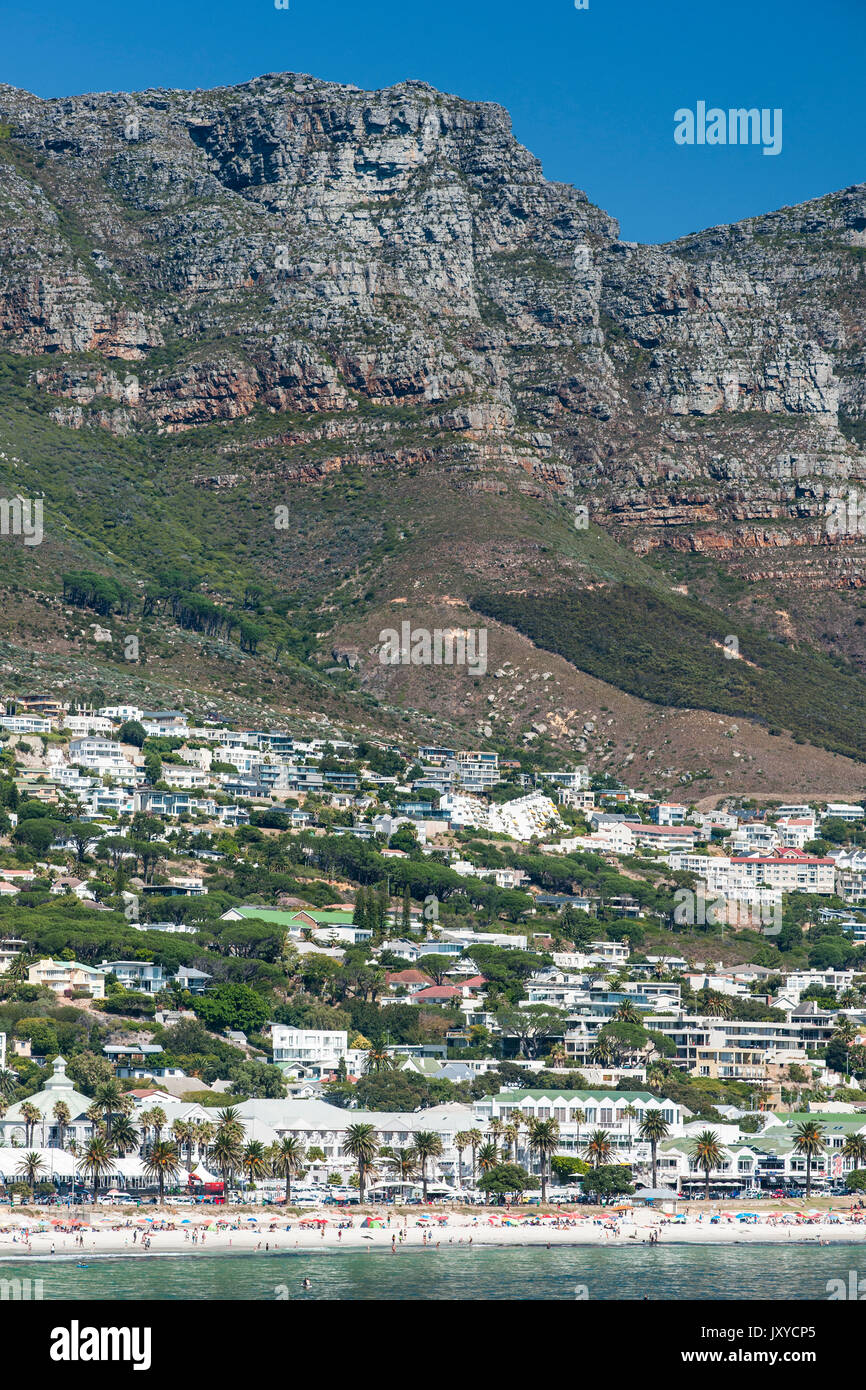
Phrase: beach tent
[372,1222]
[201,1174]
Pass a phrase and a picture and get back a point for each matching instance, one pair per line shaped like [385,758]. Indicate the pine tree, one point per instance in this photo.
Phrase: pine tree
[381,908]
[359,916]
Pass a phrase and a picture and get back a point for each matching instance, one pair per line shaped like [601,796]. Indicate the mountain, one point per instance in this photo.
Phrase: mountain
[292,363]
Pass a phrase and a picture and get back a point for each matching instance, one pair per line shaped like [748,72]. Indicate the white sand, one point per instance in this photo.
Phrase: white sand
[115,1234]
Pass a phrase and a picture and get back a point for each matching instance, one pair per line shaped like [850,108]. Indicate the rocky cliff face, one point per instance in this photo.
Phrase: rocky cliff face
[173,259]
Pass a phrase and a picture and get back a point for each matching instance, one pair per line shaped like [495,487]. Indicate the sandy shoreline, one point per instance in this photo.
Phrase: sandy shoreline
[137,1237]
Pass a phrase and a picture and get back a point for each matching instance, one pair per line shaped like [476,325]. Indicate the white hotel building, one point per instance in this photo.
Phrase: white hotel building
[578,1113]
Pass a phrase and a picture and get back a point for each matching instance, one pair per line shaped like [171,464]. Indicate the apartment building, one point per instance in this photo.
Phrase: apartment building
[63,976]
[474,771]
[140,975]
[843,810]
[796,831]
[703,1042]
[576,780]
[791,870]
[664,837]
[102,754]
[302,1047]
[668,813]
[850,876]
[25,724]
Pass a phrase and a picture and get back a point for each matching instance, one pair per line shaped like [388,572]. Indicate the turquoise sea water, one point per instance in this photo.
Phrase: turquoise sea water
[648,1272]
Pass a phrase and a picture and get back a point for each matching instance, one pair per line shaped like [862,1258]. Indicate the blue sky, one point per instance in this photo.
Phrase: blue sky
[591,92]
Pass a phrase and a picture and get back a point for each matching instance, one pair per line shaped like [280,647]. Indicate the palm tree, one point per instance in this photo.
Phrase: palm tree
[428,1144]
[162,1162]
[598,1148]
[62,1117]
[626,1012]
[31,1117]
[109,1097]
[361,1143]
[605,1050]
[18,968]
[462,1142]
[845,1030]
[707,1153]
[125,1138]
[855,1147]
[655,1076]
[488,1157]
[476,1139]
[30,1167]
[809,1140]
[654,1127]
[254,1160]
[844,1034]
[97,1160]
[579,1117]
[494,1129]
[228,1141]
[8,1080]
[510,1136]
[155,1120]
[716,1005]
[229,1118]
[183,1134]
[288,1160]
[378,1060]
[404,1162]
[543,1140]
[204,1133]
[630,1114]
[519,1120]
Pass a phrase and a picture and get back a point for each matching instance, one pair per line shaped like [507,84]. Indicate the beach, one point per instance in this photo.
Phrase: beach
[109,1232]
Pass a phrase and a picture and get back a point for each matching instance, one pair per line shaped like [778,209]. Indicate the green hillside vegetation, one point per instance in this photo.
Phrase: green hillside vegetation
[671,650]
